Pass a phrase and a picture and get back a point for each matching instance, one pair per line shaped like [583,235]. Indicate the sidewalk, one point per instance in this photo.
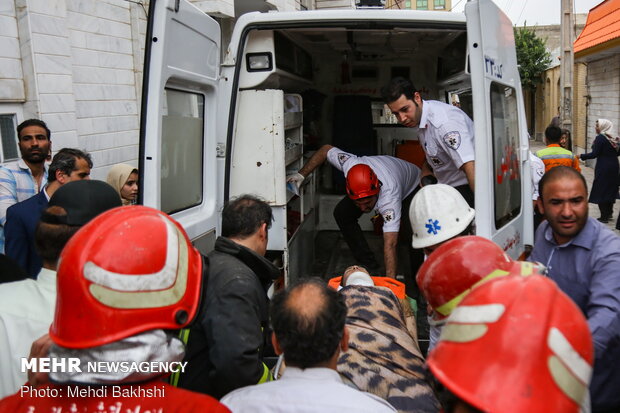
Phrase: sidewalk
[588,173]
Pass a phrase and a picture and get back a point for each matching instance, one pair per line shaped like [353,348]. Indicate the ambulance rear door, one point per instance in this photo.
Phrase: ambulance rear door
[503,185]
[178,172]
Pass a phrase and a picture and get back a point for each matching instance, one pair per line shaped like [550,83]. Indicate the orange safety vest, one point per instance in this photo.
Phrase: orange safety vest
[554,155]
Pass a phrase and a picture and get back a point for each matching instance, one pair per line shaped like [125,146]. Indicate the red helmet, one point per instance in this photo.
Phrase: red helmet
[362,182]
[130,270]
[453,269]
[516,344]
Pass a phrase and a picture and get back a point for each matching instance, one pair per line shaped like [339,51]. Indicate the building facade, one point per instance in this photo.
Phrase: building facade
[598,47]
[78,65]
[437,5]
[548,93]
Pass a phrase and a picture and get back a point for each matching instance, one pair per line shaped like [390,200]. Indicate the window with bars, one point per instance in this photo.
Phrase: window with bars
[8,138]
[422,4]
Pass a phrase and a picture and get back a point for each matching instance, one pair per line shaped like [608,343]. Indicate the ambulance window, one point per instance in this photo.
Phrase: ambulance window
[181,151]
[506,164]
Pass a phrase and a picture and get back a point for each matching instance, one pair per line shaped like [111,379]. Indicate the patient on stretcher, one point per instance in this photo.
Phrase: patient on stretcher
[383,356]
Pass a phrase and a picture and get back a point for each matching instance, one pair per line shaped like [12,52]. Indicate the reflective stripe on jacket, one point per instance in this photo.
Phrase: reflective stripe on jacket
[554,155]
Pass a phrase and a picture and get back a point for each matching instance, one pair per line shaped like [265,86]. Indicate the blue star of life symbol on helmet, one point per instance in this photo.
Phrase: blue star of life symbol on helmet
[433,226]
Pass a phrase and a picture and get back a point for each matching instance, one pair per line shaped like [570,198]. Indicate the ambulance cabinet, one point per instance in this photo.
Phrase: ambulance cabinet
[268,145]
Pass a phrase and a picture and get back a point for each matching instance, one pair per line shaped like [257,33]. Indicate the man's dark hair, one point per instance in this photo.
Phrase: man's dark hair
[559,172]
[244,215]
[33,122]
[397,87]
[553,134]
[308,332]
[50,239]
[65,160]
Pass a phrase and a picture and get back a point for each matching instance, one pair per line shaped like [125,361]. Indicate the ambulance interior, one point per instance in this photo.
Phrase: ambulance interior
[328,80]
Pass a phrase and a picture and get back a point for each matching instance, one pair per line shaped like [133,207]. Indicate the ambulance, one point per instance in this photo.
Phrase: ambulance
[220,120]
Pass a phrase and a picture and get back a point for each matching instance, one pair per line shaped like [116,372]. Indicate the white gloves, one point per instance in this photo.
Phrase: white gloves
[293,182]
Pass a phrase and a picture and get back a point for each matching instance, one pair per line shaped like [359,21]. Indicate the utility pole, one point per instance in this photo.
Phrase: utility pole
[567,24]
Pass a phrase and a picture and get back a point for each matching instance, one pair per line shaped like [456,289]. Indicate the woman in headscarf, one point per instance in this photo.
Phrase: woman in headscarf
[124,178]
[605,151]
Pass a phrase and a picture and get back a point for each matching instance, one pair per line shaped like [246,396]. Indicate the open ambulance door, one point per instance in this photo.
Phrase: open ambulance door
[178,173]
[503,184]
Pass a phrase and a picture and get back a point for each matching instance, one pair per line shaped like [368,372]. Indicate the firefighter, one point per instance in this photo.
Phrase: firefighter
[514,344]
[455,268]
[124,280]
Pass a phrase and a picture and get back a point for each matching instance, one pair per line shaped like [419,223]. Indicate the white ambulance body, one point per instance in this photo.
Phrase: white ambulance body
[213,128]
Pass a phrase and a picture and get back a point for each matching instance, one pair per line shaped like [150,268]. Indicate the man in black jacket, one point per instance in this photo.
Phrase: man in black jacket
[225,345]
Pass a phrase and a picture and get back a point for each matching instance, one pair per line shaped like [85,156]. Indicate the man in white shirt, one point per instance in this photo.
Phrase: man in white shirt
[309,329]
[538,170]
[27,307]
[446,133]
[381,183]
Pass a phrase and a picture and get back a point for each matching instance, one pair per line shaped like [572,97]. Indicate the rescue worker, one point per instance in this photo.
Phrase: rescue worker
[383,183]
[437,214]
[514,344]
[445,132]
[554,154]
[227,344]
[455,268]
[124,280]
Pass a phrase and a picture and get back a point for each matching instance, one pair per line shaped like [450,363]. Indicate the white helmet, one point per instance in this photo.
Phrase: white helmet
[437,213]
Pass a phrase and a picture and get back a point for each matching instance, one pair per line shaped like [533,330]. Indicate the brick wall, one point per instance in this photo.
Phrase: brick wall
[105,79]
[603,85]
[11,75]
[548,100]
[77,64]
[46,57]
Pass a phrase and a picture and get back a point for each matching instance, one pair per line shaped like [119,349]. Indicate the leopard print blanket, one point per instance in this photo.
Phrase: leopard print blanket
[384,357]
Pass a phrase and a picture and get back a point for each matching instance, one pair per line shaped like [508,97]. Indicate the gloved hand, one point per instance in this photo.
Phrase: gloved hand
[293,182]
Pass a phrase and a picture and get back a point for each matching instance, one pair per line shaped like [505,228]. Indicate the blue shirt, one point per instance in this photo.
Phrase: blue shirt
[16,184]
[587,269]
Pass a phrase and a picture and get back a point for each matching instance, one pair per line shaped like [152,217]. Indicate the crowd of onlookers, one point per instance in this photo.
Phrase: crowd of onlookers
[119,282]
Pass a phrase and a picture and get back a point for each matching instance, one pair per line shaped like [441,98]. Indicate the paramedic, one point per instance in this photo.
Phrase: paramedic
[383,183]
[446,133]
